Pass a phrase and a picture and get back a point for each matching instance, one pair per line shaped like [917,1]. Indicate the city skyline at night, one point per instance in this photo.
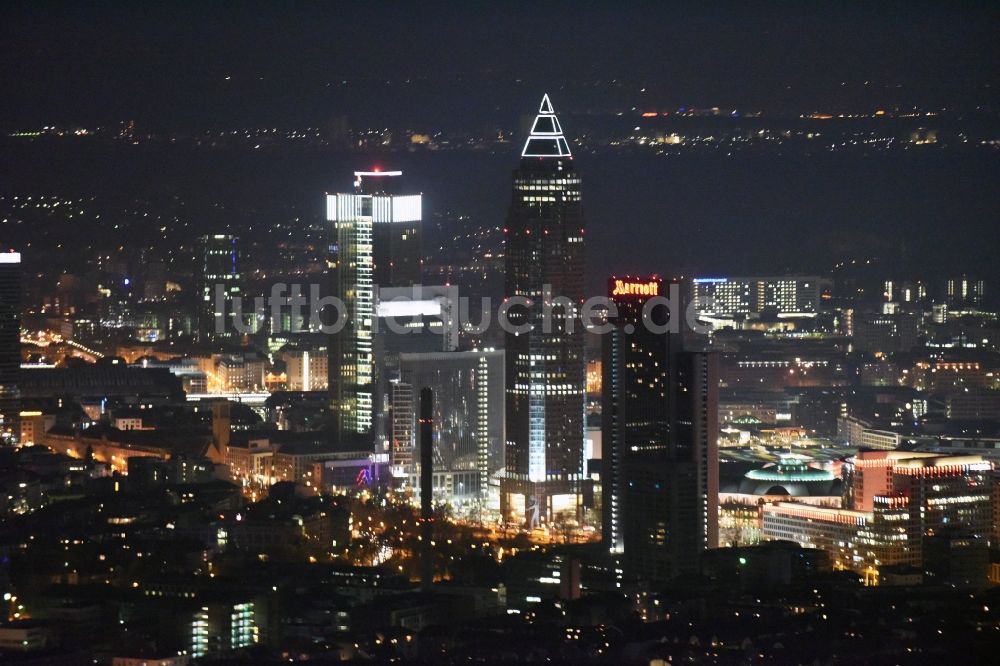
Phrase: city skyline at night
[642,333]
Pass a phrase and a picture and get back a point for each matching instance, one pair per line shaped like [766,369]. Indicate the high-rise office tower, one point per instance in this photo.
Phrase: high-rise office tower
[660,430]
[375,242]
[10,345]
[634,401]
[396,228]
[545,372]
[217,272]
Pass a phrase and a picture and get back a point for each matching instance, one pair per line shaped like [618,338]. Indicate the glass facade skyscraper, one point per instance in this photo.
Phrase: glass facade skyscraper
[545,371]
[468,409]
[375,242]
[218,267]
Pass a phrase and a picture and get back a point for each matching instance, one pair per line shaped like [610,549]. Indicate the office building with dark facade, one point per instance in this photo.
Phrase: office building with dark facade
[545,375]
[10,344]
[660,425]
[634,395]
[217,273]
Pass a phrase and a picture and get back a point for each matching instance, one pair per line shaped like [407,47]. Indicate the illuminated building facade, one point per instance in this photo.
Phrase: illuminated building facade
[857,540]
[10,345]
[468,410]
[747,296]
[868,474]
[396,227]
[947,492]
[217,270]
[306,369]
[220,627]
[375,241]
[947,377]
[907,499]
[791,478]
[821,527]
[403,429]
[660,422]
[545,368]
[904,291]
[965,292]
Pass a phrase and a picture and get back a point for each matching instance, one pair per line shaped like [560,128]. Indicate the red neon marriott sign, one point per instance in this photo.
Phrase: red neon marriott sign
[635,288]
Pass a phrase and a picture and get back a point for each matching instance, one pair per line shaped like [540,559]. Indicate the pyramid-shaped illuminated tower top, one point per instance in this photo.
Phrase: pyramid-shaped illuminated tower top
[546,138]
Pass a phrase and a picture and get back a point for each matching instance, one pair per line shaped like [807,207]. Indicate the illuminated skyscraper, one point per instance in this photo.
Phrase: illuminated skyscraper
[660,430]
[217,269]
[634,387]
[396,228]
[545,372]
[375,241]
[10,345]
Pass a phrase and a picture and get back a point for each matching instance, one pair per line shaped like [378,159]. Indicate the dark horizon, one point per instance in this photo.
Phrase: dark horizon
[917,216]
[191,67]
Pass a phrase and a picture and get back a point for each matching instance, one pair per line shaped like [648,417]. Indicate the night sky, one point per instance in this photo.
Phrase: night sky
[167,64]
